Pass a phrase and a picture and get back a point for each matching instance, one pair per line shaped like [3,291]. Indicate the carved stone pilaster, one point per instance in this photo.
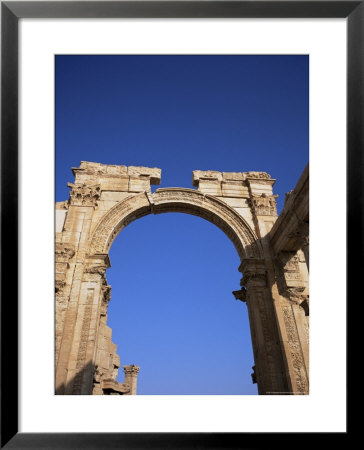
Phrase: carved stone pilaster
[83,194]
[295,352]
[267,356]
[288,264]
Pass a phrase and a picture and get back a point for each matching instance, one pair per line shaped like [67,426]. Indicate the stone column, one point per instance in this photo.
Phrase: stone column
[81,363]
[75,232]
[292,313]
[269,367]
[131,375]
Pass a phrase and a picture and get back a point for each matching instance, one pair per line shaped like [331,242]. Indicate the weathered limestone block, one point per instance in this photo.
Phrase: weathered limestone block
[147,173]
[115,185]
[114,178]
[235,189]
[209,176]
[111,196]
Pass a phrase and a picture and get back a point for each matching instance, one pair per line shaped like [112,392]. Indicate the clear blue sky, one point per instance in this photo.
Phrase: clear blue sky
[172,311]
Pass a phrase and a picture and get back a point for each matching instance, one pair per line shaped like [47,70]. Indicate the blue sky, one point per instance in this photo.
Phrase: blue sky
[172,310]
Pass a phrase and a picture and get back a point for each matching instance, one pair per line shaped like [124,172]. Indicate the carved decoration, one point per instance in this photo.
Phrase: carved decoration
[131,370]
[175,199]
[96,269]
[292,281]
[64,252]
[249,278]
[259,175]
[295,351]
[84,195]
[289,261]
[264,205]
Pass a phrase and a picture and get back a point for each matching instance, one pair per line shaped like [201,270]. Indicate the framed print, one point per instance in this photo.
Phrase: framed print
[43,43]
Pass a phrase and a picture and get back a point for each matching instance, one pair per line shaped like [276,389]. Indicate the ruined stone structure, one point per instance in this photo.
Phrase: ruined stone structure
[274,262]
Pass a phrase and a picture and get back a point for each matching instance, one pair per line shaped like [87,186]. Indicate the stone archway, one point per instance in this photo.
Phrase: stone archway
[183,200]
[106,198]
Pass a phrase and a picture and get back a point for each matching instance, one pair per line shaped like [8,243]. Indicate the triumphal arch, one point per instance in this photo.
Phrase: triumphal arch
[274,264]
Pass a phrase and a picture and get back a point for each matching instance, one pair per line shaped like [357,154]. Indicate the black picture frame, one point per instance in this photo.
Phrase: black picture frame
[11,12]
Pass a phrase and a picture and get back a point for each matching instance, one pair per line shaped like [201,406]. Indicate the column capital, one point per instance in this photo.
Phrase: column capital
[132,369]
[64,251]
[83,194]
[264,205]
[254,272]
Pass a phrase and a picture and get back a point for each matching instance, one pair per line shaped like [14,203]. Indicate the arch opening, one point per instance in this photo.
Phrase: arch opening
[187,289]
[187,201]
